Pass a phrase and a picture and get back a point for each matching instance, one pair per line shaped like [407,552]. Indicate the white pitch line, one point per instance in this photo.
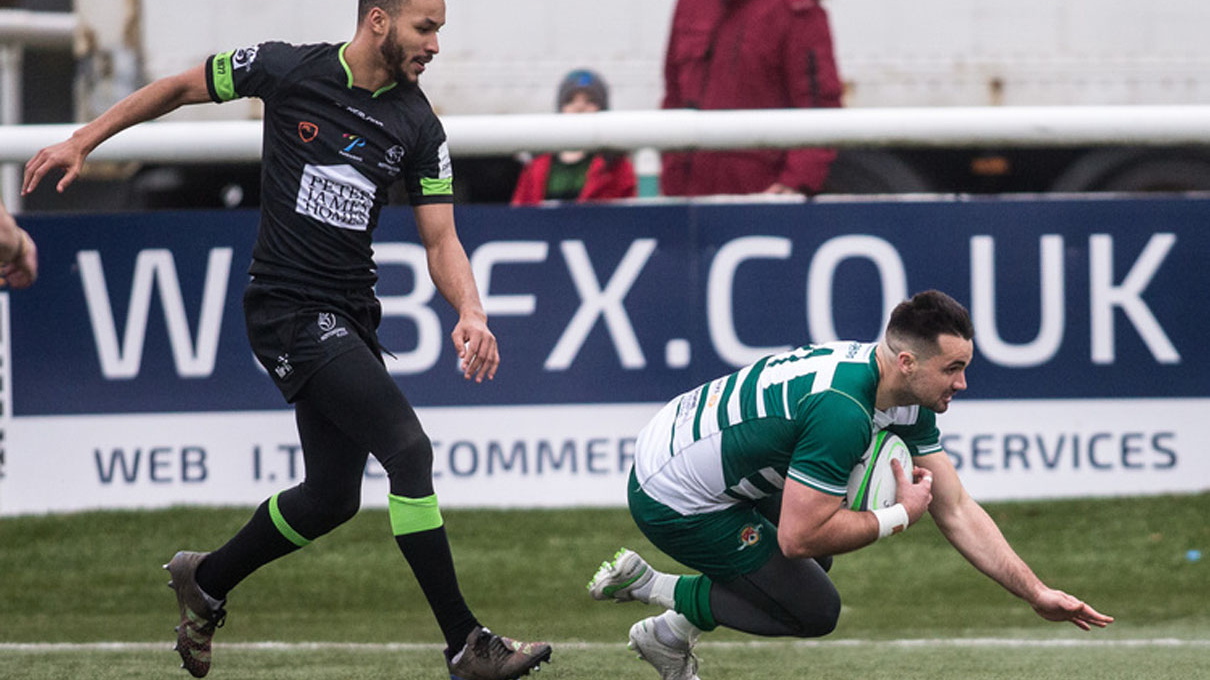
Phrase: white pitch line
[409,646]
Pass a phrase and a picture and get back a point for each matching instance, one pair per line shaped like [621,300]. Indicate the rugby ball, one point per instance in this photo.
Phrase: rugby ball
[872,482]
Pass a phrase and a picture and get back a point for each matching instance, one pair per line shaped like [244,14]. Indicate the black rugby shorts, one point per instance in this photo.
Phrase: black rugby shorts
[295,329]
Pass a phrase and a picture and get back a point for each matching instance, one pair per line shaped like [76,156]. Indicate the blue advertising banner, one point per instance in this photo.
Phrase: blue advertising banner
[1071,299]
[126,379]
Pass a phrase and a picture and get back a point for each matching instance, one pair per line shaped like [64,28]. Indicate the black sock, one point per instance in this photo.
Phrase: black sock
[257,543]
[428,553]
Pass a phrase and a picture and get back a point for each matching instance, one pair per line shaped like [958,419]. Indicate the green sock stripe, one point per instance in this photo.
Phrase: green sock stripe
[284,527]
[692,597]
[413,515]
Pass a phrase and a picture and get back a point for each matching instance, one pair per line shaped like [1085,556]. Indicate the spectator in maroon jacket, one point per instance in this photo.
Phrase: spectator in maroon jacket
[749,54]
[577,175]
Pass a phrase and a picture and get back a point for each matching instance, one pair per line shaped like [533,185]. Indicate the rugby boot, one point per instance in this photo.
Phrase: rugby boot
[487,656]
[672,663]
[198,618]
[618,580]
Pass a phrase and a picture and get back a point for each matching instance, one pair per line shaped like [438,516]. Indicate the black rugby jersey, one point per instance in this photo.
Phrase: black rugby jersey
[330,153]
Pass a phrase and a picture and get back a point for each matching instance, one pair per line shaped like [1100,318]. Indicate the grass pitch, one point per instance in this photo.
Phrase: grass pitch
[347,607]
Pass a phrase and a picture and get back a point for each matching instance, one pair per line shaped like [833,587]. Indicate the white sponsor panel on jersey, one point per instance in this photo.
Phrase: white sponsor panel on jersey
[570,455]
[338,195]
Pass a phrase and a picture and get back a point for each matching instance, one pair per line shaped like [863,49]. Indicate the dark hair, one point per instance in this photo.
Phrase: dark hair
[918,322]
[391,7]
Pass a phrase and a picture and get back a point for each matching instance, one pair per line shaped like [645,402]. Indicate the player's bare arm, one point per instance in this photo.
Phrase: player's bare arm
[451,272]
[152,101]
[813,523]
[968,527]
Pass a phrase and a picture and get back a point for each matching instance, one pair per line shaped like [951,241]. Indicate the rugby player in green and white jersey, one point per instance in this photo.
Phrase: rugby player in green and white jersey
[742,479]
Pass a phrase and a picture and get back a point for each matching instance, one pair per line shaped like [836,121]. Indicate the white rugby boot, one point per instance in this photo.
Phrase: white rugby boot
[671,662]
[620,579]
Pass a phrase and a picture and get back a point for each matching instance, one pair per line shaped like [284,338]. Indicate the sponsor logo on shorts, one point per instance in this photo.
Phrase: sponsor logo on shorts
[283,369]
[749,536]
[307,131]
[327,325]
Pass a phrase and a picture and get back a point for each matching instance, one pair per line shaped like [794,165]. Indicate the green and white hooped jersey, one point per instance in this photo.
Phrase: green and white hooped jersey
[807,414]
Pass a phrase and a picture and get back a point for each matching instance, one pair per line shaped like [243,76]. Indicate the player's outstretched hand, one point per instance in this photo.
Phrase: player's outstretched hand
[67,156]
[476,346]
[915,493]
[1056,605]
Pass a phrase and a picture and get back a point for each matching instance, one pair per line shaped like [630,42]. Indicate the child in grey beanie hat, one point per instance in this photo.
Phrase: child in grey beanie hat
[588,82]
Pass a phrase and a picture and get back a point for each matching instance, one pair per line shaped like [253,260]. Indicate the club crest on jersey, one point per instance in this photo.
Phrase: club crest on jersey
[395,154]
[749,536]
[307,131]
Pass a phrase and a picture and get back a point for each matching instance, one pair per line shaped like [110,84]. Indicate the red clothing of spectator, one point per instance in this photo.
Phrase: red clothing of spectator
[748,54]
[607,177]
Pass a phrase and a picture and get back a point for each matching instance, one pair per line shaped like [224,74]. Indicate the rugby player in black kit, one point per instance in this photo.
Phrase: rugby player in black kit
[342,124]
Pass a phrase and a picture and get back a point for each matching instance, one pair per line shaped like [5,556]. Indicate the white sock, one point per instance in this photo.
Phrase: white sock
[660,591]
[675,630]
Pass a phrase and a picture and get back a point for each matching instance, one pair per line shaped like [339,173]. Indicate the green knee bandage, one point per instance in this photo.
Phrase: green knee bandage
[692,597]
[284,527]
[413,515]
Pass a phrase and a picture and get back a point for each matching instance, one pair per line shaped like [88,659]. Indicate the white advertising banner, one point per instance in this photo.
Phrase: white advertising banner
[498,456]
[571,455]
[1060,448]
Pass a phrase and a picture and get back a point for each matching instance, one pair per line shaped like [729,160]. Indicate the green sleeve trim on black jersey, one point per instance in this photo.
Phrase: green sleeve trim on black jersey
[442,186]
[223,76]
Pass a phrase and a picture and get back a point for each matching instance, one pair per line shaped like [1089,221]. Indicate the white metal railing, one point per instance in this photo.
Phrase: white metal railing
[185,142]
[20,29]
[37,29]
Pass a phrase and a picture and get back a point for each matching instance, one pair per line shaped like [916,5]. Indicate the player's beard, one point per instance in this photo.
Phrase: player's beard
[396,57]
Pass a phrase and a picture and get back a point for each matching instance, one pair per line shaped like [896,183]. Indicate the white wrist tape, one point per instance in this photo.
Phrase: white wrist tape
[891,520]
